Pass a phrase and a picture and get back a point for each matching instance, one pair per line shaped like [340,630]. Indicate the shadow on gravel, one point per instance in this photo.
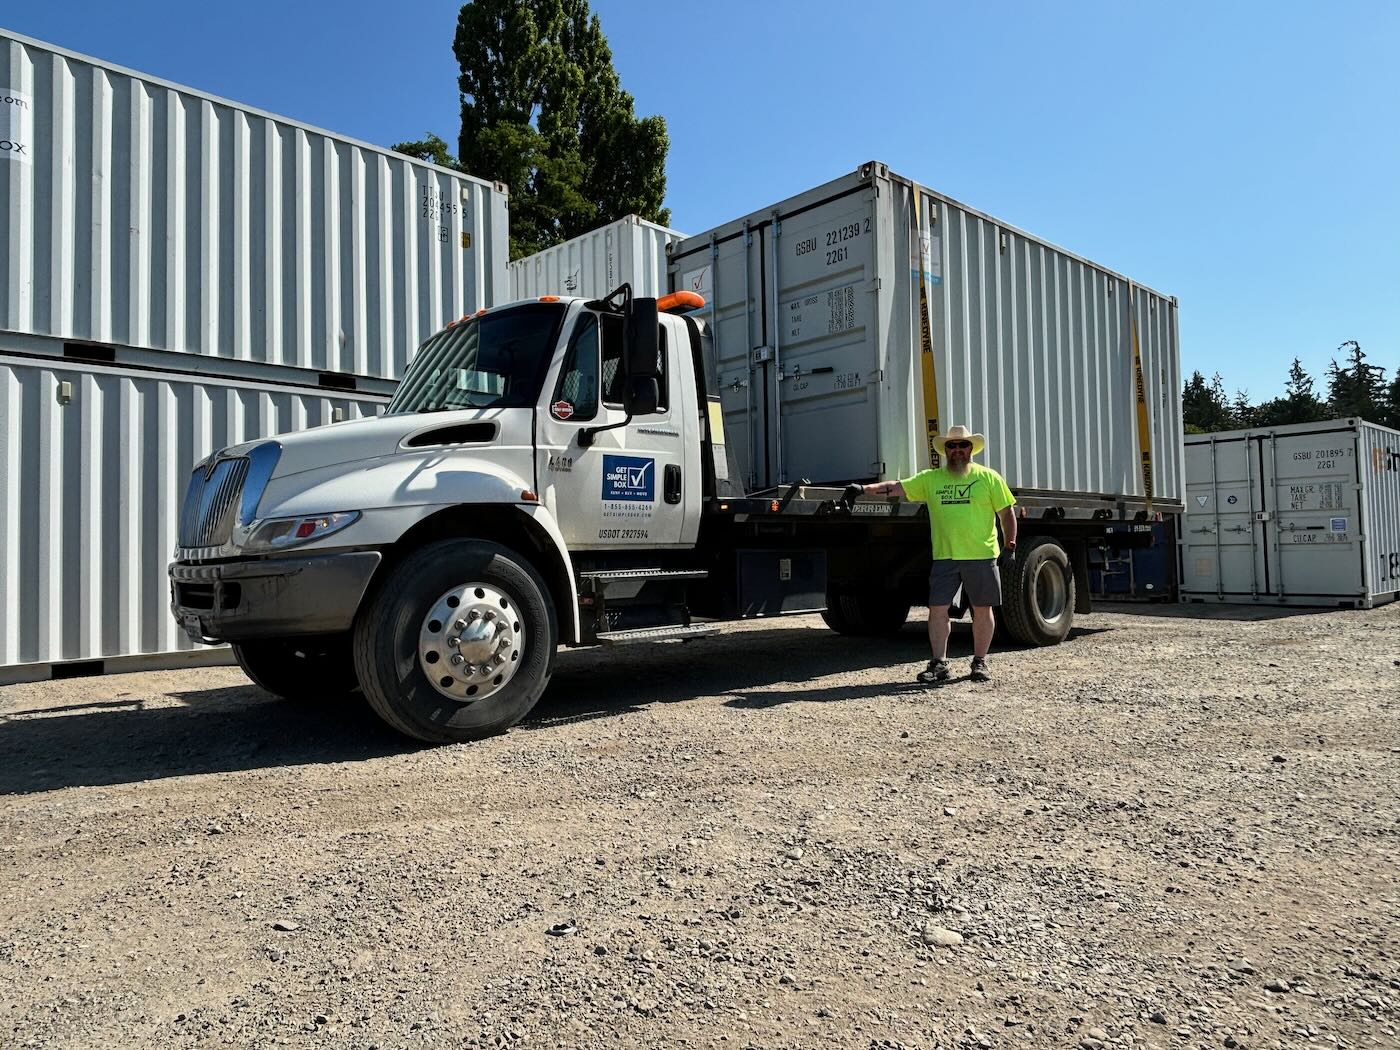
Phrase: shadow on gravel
[122,741]
[213,731]
[599,683]
[1210,611]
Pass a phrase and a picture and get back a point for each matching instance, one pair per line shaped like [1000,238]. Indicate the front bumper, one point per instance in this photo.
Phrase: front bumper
[244,600]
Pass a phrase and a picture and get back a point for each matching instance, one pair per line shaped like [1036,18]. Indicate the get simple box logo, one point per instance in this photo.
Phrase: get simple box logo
[629,477]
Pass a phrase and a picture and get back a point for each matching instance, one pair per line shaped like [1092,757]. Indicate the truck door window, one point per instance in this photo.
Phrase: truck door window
[578,381]
[612,362]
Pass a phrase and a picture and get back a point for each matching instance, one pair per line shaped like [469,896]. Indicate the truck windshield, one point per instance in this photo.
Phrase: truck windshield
[497,360]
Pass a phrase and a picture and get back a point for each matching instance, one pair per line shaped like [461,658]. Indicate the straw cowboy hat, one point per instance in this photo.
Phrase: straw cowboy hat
[960,433]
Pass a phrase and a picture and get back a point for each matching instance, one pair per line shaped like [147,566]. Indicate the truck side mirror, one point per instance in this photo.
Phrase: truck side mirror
[640,342]
[641,396]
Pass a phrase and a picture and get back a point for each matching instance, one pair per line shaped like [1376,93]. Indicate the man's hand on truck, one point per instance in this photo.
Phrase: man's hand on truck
[855,491]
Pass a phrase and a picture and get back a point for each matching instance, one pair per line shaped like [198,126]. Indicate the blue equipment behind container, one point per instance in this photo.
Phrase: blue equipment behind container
[1133,562]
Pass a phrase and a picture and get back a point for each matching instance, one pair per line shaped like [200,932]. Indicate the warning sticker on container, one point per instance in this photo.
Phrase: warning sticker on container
[16,126]
[926,255]
[1204,567]
[1339,524]
[1201,500]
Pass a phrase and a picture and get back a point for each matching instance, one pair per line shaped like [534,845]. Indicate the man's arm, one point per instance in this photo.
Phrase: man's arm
[1007,517]
[884,488]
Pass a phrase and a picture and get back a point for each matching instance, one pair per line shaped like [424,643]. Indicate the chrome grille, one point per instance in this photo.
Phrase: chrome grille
[211,504]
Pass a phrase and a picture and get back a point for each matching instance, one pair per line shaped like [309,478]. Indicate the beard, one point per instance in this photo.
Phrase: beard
[958,466]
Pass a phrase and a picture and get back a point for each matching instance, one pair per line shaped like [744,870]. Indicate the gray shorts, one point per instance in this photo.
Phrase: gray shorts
[980,581]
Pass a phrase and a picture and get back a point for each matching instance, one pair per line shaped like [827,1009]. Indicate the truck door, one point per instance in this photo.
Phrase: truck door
[636,486]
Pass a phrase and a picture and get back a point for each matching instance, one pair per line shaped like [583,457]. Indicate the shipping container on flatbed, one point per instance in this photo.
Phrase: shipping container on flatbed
[139,213]
[593,264]
[94,464]
[1304,514]
[813,305]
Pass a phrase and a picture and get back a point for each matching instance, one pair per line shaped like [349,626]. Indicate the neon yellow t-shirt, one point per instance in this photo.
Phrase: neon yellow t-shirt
[962,511]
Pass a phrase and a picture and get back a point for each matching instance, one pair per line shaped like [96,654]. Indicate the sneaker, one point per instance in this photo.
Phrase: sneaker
[979,672]
[935,672]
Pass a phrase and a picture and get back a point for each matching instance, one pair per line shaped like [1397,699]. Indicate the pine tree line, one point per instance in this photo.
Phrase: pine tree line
[1354,388]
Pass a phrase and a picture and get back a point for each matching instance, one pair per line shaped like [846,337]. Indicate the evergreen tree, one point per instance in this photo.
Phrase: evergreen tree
[1204,408]
[543,111]
[1299,403]
[1242,413]
[1392,402]
[1358,388]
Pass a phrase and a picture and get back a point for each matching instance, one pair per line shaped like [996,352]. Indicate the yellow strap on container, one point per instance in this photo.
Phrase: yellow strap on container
[1144,432]
[932,427]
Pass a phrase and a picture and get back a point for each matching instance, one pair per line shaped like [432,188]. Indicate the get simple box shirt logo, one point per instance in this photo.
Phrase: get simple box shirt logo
[629,478]
[961,510]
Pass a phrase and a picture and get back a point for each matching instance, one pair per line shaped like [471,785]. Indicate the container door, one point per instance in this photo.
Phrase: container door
[822,374]
[729,276]
[1313,504]
[1224,552]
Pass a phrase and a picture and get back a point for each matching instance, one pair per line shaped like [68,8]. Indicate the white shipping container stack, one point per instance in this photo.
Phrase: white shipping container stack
[181,272]
[1306,514]
[593,264]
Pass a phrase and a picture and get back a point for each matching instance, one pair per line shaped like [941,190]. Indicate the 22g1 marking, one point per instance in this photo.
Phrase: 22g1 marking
[837,250]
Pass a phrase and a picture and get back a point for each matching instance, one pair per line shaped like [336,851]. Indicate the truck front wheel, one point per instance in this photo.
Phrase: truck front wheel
[459,642]
[311,668]
[1037,593]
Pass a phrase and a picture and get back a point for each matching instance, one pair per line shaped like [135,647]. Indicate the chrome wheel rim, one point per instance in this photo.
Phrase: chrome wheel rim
[1051,594]
[471,641]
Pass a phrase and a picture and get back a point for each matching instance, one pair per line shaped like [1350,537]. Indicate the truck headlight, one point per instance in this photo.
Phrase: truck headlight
[281,533]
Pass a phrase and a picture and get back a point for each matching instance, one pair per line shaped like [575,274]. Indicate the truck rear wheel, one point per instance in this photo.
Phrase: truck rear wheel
[1037,594]
[311,668]
[459,642]
[865,614]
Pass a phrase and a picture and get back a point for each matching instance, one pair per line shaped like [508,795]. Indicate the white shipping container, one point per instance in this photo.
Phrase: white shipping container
[593,264]
[1305,514]
[94,463]
[140,213]
[813,305]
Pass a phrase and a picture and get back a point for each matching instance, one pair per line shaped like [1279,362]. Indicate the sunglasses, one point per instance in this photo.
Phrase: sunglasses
[957,444]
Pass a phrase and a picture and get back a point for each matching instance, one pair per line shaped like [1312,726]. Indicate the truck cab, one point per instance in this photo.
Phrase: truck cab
[434,556]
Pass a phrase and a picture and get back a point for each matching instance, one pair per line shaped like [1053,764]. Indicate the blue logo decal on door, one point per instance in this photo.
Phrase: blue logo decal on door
[629,477]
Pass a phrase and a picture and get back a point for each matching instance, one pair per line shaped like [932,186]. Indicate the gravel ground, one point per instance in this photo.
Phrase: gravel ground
[1172,831]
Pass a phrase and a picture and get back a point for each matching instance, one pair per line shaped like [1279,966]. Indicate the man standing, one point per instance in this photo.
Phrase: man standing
[965,501]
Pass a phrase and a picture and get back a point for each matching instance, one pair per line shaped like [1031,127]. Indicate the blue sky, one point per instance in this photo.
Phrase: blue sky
[1244,157]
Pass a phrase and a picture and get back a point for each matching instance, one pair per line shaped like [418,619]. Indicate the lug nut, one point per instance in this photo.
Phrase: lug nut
[454,641]
[458,659]
[461,625]
[472,617]
[489,616]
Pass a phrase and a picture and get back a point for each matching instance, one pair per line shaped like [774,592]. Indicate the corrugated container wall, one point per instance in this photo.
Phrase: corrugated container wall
[1303,514]
[593,264]
[94,463]
[813,305]
[140,213]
